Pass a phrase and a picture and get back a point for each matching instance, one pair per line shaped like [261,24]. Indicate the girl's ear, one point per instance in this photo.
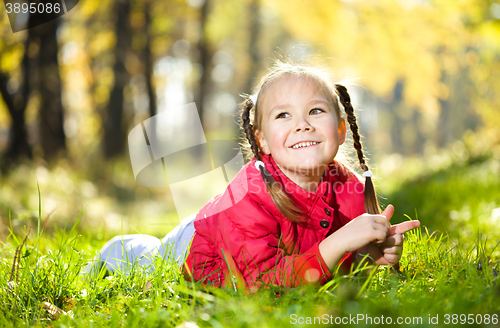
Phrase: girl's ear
[262,143]
[342,131]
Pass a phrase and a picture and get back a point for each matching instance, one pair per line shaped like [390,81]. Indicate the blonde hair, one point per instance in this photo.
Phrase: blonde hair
[251,121]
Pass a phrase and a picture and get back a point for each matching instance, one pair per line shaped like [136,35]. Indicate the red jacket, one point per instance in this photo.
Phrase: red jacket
[256,241]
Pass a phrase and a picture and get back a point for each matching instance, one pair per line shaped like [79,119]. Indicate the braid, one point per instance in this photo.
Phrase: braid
[278,195]
[248,127]
[371,203]
[345,99]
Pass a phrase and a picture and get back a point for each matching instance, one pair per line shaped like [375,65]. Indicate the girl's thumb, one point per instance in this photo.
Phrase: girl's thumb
[388,212]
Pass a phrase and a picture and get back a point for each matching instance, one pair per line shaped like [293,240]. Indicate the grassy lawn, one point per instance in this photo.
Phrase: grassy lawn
[447,279]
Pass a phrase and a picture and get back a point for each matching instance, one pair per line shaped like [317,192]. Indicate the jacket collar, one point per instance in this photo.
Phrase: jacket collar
[335,174]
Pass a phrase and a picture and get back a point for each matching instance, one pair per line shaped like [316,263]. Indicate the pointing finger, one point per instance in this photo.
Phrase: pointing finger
[403,227]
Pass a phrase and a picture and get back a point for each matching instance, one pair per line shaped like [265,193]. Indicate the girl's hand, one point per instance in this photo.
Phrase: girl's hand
[389,252]
[368,234]
[366,229]
[392,248]
[362,231]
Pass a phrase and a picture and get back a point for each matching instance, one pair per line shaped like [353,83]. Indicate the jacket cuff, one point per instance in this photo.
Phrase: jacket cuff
[315,270]
[346,263]
[310,268]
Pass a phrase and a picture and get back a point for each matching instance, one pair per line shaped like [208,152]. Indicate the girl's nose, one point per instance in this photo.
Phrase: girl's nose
[303,126]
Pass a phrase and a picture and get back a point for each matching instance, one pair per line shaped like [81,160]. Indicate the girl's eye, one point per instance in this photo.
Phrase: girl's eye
[316,111]
[282,115]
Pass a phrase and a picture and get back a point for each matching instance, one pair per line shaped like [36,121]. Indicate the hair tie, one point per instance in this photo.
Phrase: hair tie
[367,174]
[259,164]
[253,98]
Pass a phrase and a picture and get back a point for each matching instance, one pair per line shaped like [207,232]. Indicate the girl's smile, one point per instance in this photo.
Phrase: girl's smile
[303,144]
[300,129]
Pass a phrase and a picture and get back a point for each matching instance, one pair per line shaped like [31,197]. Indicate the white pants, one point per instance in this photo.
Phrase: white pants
[124,251]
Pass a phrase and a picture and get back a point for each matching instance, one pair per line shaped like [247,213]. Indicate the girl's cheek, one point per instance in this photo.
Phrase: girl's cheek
[277,143]
[280,135]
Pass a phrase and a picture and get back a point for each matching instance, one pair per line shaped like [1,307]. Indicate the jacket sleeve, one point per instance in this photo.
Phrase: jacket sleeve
[252,241]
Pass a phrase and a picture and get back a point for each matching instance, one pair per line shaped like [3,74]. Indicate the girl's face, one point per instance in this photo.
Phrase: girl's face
[299,128]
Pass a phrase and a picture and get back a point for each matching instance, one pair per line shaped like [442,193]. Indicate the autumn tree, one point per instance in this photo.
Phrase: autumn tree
[16,102]
[115,128]
[51,113]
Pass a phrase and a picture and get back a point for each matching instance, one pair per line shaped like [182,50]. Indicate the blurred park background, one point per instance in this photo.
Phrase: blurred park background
[423,75]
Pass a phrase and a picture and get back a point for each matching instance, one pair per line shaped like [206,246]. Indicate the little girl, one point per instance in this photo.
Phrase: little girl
[301,212]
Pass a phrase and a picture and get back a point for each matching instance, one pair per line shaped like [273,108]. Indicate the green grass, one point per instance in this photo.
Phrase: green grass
[435,278]
[440,274]
[461,200]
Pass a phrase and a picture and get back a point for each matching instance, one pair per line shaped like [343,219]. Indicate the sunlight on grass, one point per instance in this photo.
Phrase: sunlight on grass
[435,277]
[106,197]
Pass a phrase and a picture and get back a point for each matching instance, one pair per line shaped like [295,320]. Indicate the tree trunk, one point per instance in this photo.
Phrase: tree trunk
[148,61]
[397,124]
[443,133]
[255,26]
[114,125]
[18,146]
[51,114]
[52,136]
[205,57]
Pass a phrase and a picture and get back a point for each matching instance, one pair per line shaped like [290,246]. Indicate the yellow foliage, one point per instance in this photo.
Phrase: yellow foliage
[10,60]
[224,19]
[103,41]
[88,8]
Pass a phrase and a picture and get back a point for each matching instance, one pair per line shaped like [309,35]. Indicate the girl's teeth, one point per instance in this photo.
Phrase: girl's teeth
[304,144]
